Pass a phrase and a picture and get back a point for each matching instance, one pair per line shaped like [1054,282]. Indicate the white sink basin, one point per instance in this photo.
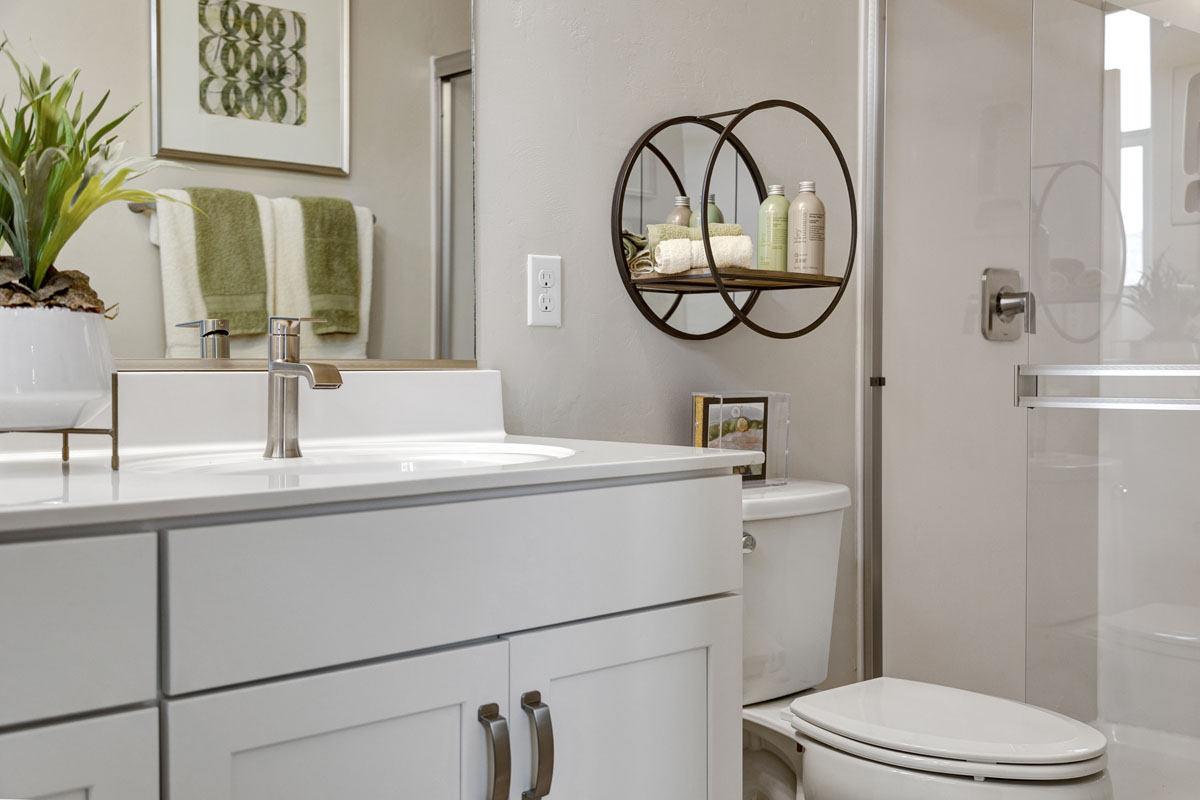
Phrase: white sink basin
[373,459]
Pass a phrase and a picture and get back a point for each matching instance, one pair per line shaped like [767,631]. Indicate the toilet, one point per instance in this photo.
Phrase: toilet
[882,738]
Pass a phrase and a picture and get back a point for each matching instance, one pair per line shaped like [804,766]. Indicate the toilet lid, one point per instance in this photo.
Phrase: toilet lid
[938,721]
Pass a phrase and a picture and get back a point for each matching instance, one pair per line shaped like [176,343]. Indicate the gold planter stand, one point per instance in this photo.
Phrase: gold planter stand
[110,432]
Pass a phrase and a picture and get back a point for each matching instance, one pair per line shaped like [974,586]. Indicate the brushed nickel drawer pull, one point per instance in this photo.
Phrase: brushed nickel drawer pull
[543,731]
[498,750]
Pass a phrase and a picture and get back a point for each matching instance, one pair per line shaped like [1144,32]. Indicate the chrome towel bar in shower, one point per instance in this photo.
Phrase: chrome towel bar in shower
[1029,386]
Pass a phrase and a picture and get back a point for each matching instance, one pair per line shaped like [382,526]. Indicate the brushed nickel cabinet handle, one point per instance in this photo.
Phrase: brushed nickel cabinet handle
[543,734]
[499,752]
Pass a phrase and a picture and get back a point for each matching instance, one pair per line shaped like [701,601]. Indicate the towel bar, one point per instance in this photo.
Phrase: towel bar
[1030,393]
[151,207]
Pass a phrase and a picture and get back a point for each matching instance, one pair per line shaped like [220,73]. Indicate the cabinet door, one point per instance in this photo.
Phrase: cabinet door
[641,705]
[399,729]
[106,758]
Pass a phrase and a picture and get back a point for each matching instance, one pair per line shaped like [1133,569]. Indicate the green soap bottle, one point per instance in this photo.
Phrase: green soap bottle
[773,230]
[714,213]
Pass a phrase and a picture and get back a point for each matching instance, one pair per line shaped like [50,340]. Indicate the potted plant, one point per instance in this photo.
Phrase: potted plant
[57,166]
[1171,305]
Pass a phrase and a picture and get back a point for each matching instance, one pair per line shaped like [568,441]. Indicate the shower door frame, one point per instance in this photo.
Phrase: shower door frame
[873,34]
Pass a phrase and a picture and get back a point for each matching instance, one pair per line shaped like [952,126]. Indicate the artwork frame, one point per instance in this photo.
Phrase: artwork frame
[728,409]
[252,84]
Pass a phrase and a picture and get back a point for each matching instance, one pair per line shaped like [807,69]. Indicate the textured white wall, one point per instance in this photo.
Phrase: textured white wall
[564,89]
[391,43]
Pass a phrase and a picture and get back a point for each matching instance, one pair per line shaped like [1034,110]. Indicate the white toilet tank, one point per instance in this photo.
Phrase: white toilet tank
[788,585]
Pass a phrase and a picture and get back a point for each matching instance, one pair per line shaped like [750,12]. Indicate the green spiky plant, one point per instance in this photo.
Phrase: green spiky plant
[57,166]
[1166,300]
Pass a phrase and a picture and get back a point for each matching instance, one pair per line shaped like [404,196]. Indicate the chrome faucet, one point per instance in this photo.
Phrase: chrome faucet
[284,368]
[214,336]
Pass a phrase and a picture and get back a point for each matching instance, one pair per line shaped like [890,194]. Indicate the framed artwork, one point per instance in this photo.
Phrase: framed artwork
[239,82]
[734,423]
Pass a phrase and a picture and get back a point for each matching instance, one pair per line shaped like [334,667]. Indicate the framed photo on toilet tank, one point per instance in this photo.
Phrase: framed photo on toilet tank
[733,423]
[253,84]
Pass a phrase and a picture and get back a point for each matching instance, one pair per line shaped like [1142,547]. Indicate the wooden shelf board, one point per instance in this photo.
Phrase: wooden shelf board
[734,279]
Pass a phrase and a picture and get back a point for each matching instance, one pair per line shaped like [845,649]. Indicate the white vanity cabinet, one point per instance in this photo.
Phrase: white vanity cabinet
[574,641]
[646,704]
[599,621]
[407,728]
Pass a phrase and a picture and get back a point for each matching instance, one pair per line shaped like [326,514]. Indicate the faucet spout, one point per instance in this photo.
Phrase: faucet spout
[318,375]
[284,368]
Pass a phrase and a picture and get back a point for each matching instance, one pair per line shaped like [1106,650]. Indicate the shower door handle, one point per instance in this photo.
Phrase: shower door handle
[1009,304]
[1003,300]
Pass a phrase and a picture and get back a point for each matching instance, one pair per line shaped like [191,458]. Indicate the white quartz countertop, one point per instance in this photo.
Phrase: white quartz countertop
[191,449]
[40,493]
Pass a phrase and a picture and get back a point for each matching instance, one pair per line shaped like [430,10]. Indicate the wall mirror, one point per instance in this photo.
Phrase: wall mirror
[369,101]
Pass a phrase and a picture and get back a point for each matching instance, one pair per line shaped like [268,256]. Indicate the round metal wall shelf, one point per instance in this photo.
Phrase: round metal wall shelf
[725,281]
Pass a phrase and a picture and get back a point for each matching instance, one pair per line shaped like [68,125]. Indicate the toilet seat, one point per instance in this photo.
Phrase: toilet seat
[937,729]
[946,766]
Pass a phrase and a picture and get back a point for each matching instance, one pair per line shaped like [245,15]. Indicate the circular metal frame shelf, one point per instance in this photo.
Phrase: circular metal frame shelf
[722,281]
[645,142]
[1039,214]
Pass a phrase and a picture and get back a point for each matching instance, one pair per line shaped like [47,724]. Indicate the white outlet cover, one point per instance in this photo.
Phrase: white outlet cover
[544,291]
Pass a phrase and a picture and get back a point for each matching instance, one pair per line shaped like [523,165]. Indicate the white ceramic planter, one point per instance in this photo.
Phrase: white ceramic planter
[55,368]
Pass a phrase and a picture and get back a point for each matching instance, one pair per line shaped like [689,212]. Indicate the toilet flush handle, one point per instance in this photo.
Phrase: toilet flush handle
[748,543]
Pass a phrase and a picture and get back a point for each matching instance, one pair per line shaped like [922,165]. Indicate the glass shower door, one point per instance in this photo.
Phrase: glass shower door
[1113,593]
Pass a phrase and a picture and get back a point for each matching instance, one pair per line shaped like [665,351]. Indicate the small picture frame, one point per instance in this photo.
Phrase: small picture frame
[734,423]
[253,84]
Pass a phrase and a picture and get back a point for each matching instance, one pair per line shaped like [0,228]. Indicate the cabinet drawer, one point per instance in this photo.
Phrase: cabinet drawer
[401,729]
[77,625]
[252,601]
[114,757]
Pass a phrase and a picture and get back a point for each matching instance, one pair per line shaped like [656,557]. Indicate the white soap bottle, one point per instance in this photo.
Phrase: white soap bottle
[806,232]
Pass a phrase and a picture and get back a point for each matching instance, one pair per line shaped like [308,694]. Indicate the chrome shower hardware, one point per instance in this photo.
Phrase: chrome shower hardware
[1003,300]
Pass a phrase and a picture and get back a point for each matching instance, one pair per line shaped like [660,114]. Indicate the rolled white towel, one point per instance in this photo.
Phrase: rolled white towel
[680,255]
[1090,278]
[673,256]
[1058,283]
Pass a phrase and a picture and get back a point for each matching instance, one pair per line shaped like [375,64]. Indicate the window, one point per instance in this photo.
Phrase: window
[1127,49]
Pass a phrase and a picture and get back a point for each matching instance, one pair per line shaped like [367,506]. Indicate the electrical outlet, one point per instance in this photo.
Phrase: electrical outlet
[544,280]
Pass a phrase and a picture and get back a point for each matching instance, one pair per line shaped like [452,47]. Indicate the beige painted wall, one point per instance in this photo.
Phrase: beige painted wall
[391,44]
[564,89]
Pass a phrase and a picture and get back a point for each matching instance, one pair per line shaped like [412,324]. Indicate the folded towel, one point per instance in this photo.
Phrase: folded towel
[292,295]
[1090,278]
[331,262]
[680,255]
[632,244]
[716,229]
[1071,267]
[1057,283]
[183,298]
[657,234]
[231,259]
[642,263]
